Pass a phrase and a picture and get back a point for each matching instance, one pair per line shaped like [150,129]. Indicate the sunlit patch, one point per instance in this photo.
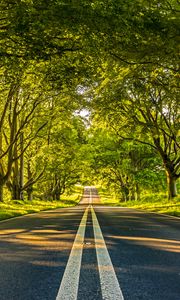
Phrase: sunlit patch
[47,231]
[160,244]
[47,263]
[42,237]
[11,231]
[39,239]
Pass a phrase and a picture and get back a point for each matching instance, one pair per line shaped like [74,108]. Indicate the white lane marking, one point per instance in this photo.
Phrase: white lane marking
[110,287]
[69,285]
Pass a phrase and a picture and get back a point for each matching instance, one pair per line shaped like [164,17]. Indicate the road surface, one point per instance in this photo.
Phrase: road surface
[90,252]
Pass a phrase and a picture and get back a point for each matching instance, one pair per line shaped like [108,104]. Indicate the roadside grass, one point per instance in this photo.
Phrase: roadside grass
[14,208]
[151,202]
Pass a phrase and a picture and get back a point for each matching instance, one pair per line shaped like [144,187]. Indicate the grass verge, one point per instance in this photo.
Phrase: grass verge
[150,202]
[14,208]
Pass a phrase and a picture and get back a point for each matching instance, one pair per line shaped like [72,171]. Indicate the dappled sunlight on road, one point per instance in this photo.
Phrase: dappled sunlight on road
[86,200]
[36,238]
[33,247]
[47,263]
[11,231]
[37,242]
[90,196]
[160,244]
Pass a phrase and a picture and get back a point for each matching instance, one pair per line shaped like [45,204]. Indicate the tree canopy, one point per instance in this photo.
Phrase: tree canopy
[116,61]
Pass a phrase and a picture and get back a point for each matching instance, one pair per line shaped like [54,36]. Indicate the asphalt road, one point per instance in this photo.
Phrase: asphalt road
[143,250]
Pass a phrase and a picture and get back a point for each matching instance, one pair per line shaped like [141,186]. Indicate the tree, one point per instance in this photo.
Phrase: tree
[19,103]
[123,166]
[127,52]
[145,103]
[63,157]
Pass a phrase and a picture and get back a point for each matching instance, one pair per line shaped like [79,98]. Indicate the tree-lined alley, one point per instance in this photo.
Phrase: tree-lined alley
[115,61]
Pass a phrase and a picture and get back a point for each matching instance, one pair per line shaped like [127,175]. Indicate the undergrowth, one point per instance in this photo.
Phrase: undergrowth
[157,202]
[14,208]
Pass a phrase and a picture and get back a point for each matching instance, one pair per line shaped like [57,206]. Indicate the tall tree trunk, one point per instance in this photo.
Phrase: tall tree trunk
[138,193]
[9,112]
[30,193]
[1,191]
[125,193]
[170,168]
[58,190]
[15,180]
[58,194]
[171,177]
[171,182]
[30,187]
[1,170]
[21,170]
[132,193]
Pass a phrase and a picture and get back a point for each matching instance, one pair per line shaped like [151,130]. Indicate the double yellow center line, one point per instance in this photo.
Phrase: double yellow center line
[110,287]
